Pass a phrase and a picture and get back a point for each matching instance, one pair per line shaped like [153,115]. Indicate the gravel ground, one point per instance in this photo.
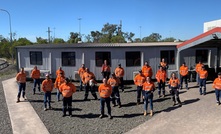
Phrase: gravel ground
[86,113]
[5,122]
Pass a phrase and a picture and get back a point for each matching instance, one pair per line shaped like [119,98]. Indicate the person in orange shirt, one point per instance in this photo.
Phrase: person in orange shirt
[203,74]
[105,91]
[183,75]
[138,81]
[164,64]
[119,72]
[114,82]
[47,87]
[60,71]
[67,89]
[147,92]
[161,77]
[59,80]
[21,79]
[217,87]
[88,79]
[81,71]
[147,70]
[198,68]
[105,70]
[35,75]
[174,86]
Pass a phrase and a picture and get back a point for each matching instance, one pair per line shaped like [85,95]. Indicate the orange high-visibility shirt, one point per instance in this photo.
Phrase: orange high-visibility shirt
[148,86]
[105,68]
[174,82]
[21,77]
[183,70]
[35,74]
[59,72]
[105,90]
[67,89]
[47,85]
[163,64]
[147,71]
[161,75]
[217,84]
[113,81]
[139,80]
[119,72]
[81,71]
[198,67]
[203,74]
[59,80]
[87,76]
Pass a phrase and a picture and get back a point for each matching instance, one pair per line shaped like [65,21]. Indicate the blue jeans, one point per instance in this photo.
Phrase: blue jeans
[202,84]
[218,94]
[47,98]
[67,105]
[175,94]
[148,96]
[161,85]
[102,103]
[58,95]
[185,80]
[81,83]
[36,82]
[197,78]
[87,87]
[139,90]
[121,85]
[115,95]
[21,88]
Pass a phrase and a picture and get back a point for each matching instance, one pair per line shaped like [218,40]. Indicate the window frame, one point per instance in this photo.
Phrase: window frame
[68,61]
[199,57]
[129,54]
[107,57]
[36,60]
[170,59]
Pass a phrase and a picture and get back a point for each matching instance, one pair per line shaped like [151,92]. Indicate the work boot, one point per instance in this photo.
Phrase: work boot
[174,103]
[145,113]
[163,96]
[18,100]
[101,116]
[109,116]
[151,112]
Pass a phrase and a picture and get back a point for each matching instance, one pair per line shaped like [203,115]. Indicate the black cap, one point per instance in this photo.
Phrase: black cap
[219,73]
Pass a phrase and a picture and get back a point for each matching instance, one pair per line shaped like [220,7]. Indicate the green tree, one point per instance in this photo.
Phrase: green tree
[73,37]
[169,39]
[58,41]
[154,37]
[88,38]
[129,36]
[96,36]
[117,39]
[137,40]
[41,40]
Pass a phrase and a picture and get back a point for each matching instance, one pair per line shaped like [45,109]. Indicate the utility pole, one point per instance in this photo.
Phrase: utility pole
[54,32]
[49,37]
[79,27]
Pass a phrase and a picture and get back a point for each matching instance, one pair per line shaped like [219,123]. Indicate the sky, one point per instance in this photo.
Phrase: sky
[181,19]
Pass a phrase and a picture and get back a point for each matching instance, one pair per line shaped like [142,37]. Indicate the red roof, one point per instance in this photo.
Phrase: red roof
[217,29]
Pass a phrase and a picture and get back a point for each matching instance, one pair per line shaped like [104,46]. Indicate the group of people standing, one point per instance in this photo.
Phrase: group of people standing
[109,89]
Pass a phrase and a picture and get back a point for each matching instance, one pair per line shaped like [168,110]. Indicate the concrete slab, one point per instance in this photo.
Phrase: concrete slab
[198,115]
[23,117]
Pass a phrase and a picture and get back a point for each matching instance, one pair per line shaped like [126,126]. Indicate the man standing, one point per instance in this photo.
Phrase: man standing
[163,64]
[105,70]
[58,82]
[119,72]
[114,82]
[67,89]
[60,71]
[21,79]
[147,70]
[138,81]
[47,87]
[88,79]
[161,77]
[203,74]
[105,91]
[217,87]
[198,68]
[81,71]
[35,75]
[183,75]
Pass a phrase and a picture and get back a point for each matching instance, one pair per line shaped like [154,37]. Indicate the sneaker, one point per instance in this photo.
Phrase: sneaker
[63,115]
[119,106]
[163,96]
[45,109]
[151,112]
[174,104]
[101,116]
[113,105]
[110,117]
[18,100]
[180,104]
[145,113]
[218,103]
[159,96]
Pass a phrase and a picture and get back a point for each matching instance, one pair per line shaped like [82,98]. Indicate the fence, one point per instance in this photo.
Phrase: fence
[3,63]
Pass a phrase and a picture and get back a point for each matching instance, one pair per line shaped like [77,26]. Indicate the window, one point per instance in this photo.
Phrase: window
[35,58]
[68,58]
[101,56]
[201,55]
[168,55]
[133,59]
